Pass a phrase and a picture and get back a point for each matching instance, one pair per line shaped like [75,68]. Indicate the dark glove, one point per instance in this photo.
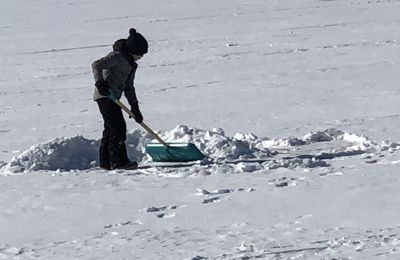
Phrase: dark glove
[102,87]
[136,111]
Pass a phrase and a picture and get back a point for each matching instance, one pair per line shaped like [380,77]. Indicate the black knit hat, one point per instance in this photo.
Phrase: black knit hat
[136,43]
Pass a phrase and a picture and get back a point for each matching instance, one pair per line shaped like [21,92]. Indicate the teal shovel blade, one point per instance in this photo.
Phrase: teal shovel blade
[174,152]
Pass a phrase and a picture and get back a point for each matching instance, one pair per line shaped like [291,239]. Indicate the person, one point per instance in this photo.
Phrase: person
[115,73]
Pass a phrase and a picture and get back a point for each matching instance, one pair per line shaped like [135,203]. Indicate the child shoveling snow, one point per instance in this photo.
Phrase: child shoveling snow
[115,74]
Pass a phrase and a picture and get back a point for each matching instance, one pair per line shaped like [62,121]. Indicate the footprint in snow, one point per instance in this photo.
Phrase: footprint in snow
[371,158]
[157,209]
[166,215]
[197,257]
[283,182]
[160,210]
[203,192]
[330,172]
[126,223]
[372,161]
[216,192]
[222,191]
[211,200]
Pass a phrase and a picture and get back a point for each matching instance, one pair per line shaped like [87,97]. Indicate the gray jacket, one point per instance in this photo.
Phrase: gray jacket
[119,73]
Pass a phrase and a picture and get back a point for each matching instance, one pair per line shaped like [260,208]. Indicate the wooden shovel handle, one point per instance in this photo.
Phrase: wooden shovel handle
[148,129]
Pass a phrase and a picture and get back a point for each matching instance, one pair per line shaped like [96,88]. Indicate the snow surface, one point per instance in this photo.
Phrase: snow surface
[295,104]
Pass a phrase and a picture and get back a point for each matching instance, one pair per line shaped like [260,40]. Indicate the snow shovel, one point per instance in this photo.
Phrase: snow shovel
[162,151]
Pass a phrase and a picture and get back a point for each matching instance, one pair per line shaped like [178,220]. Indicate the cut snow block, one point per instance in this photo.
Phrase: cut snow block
[174,152]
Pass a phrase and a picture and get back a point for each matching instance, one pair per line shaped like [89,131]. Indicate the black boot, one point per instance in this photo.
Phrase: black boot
[118,155]
[127,166]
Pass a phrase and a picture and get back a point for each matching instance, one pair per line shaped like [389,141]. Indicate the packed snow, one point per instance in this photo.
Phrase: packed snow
[294,103]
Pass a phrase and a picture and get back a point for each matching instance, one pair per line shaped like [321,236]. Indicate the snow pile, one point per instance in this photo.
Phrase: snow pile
[60,153]
[323,136]
[136,141]
[215,144]
[359,143]
[389,146]
[239,153]
[76,153]
[311,137]
[362,143]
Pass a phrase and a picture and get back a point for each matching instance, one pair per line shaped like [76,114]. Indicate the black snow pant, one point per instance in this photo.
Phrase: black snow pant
[112,151]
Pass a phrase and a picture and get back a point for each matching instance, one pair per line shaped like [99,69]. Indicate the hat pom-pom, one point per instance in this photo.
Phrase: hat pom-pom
[132,31]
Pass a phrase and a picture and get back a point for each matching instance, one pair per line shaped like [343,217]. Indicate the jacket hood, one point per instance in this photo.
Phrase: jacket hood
[119,45]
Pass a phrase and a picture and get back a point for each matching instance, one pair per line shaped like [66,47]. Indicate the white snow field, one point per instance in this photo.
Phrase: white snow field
[294,103]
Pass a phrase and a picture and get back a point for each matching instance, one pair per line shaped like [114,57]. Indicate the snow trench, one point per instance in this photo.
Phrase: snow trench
[242,152]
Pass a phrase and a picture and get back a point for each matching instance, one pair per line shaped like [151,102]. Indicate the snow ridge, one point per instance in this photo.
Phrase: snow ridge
[242,152]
